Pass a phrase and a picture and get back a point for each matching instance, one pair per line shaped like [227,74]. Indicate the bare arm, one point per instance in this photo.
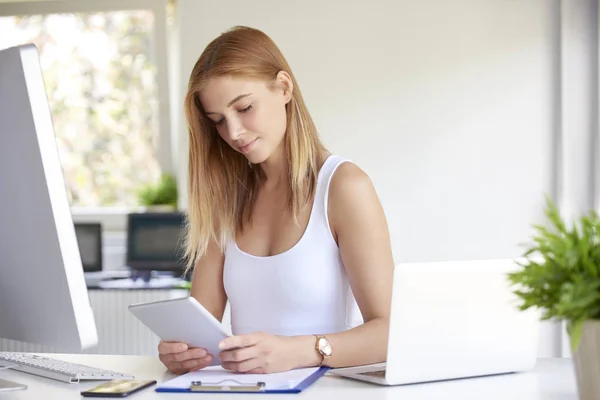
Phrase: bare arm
[360,228]
[207,281]
[359,224]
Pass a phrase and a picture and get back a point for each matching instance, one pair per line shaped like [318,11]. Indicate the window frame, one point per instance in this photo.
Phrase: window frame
[114,218]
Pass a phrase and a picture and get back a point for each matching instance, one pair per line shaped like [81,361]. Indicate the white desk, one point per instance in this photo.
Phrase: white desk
[552,379]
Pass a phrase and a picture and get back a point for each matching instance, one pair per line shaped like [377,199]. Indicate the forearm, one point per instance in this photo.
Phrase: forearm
[364,344]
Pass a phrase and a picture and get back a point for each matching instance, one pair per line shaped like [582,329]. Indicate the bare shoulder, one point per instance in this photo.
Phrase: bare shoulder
[352,198]
[348,183]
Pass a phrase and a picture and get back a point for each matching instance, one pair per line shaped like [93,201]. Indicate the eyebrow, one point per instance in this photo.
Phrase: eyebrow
[232,102]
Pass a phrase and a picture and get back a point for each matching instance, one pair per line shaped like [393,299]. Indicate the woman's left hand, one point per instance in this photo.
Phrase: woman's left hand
[257,353]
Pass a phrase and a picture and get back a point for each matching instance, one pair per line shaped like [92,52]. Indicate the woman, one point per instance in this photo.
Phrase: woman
[289,234]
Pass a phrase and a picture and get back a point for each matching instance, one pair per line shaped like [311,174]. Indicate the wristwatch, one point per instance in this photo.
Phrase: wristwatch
[323,346]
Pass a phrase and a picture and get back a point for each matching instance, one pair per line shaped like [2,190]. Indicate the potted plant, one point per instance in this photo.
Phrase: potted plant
[561,277]
[161,196]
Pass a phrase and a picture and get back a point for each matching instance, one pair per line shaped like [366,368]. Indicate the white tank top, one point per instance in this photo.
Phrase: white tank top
[302,291]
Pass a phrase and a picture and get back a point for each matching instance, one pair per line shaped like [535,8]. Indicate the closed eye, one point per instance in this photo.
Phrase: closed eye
[243,110]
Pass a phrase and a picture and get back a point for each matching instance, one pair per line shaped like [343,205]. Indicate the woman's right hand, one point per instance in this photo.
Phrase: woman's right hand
[180,359]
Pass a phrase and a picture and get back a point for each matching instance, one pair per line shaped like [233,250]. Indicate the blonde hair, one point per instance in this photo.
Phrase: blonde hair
[222,185]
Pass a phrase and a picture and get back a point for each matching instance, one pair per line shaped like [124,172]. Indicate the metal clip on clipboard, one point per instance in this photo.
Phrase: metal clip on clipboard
[199,386]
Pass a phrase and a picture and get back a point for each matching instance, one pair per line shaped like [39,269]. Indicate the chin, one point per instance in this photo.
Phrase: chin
[257,156]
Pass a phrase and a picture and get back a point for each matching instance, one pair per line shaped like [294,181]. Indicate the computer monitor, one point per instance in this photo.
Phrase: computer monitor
[89,241]
[43,296]
[155,242]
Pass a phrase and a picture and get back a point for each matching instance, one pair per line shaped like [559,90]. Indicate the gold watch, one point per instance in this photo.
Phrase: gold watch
[323,346]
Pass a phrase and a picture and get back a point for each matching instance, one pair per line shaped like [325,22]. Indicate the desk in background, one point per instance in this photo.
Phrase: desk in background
[552,379]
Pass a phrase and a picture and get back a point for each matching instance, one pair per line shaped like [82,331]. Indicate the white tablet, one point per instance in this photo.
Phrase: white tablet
[183,320]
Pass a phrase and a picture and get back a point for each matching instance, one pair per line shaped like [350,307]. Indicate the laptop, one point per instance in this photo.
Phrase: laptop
[453,320]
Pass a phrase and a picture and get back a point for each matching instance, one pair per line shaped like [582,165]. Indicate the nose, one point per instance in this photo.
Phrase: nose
[234,128]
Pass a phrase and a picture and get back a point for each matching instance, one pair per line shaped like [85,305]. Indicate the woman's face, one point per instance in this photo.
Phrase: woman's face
[250,115]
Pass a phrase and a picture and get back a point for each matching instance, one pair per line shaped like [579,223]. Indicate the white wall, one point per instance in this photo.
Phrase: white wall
[448,105]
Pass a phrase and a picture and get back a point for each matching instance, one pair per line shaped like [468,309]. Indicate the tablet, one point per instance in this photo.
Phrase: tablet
[183,320]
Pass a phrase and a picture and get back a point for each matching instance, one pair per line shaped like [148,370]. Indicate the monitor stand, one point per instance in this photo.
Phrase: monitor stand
[145,275]
[9,386]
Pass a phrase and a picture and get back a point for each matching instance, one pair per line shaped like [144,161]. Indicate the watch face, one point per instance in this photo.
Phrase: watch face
[325,346]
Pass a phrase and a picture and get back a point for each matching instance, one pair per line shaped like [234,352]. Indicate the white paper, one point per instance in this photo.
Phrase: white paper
[217,376]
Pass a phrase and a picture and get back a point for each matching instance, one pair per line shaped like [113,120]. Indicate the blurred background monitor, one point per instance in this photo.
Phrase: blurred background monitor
[155,242]
[89,240]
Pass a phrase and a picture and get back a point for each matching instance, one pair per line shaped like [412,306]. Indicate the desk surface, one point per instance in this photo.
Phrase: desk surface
[551,379]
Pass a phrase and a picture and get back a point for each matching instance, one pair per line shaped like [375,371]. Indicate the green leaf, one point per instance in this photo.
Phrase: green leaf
[162,193]
[575,330]
[561,271]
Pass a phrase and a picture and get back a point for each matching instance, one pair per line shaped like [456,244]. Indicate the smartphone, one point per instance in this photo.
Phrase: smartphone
[118,388]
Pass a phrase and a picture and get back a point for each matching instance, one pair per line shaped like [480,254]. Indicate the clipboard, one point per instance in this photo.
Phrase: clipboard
[225,382]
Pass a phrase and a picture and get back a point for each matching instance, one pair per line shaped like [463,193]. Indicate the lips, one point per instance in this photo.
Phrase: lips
[244,147]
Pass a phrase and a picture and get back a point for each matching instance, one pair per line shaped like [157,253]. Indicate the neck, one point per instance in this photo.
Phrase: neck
[274,169]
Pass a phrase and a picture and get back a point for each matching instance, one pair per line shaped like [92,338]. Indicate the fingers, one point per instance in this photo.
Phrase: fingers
[242,359]
[179,358]
[171,347]
[240,341]
[253,365]
[187,355]
[198,363]
[239,355]
[246,353]
[188,365]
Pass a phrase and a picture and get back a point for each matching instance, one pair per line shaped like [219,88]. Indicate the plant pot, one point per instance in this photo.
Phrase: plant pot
[158,208]
[587,362]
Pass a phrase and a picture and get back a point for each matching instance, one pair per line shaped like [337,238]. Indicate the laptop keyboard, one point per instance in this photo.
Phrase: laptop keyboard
[378,374]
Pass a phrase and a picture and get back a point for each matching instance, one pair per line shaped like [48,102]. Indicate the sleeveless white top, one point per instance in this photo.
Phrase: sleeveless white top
[302,291]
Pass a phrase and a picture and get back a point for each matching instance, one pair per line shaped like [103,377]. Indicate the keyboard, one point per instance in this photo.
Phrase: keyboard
[378,374]
[56,369]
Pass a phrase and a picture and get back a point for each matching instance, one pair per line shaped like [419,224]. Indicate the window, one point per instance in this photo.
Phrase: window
[105,75]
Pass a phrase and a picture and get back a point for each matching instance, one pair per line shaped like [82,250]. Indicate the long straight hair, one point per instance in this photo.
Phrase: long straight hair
[222,185]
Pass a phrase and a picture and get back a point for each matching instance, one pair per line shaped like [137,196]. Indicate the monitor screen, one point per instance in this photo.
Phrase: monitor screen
[43,296]
[89,241]
[155,241]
